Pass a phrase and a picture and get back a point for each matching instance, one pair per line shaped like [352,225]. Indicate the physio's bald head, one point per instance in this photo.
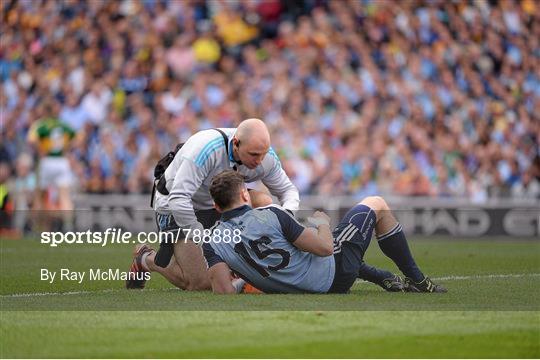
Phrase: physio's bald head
[252,131]
[253,142]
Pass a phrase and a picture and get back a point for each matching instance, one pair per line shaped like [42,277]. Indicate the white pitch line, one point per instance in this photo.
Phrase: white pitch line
[73,293]
[59,293]
[446,278]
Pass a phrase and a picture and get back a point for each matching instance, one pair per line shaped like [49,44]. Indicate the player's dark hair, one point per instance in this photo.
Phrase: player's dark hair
[226,187]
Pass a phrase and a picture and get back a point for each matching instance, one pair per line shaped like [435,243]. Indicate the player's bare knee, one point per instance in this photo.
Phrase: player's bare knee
[377,204]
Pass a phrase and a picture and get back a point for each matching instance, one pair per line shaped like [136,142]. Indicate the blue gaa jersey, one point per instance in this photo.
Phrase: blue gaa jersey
[264,254]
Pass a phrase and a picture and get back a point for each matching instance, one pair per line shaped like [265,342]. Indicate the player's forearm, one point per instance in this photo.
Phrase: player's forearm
[318,242]
[327,240]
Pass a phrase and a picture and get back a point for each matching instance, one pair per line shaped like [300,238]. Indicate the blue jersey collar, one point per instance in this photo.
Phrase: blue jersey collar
[228,215]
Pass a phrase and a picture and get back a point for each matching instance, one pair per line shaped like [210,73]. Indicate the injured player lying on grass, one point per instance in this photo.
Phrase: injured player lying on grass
[277,254]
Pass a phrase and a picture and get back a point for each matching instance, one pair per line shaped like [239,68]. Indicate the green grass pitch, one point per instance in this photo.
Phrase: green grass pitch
[492,309]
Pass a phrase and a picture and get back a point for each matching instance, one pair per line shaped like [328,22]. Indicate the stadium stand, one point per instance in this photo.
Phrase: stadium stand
[361,97]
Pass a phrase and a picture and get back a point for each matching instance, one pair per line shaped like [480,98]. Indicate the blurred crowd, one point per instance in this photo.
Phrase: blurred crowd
[420,98]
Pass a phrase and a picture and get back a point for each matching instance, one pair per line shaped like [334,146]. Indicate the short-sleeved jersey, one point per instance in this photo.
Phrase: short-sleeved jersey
[265,254]
[52,136]
[203,156]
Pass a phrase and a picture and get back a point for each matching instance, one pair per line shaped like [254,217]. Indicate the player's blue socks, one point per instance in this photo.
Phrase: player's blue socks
[372,274]
[394,245]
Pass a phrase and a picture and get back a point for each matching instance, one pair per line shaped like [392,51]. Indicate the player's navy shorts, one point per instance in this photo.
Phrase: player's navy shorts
[351,240]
